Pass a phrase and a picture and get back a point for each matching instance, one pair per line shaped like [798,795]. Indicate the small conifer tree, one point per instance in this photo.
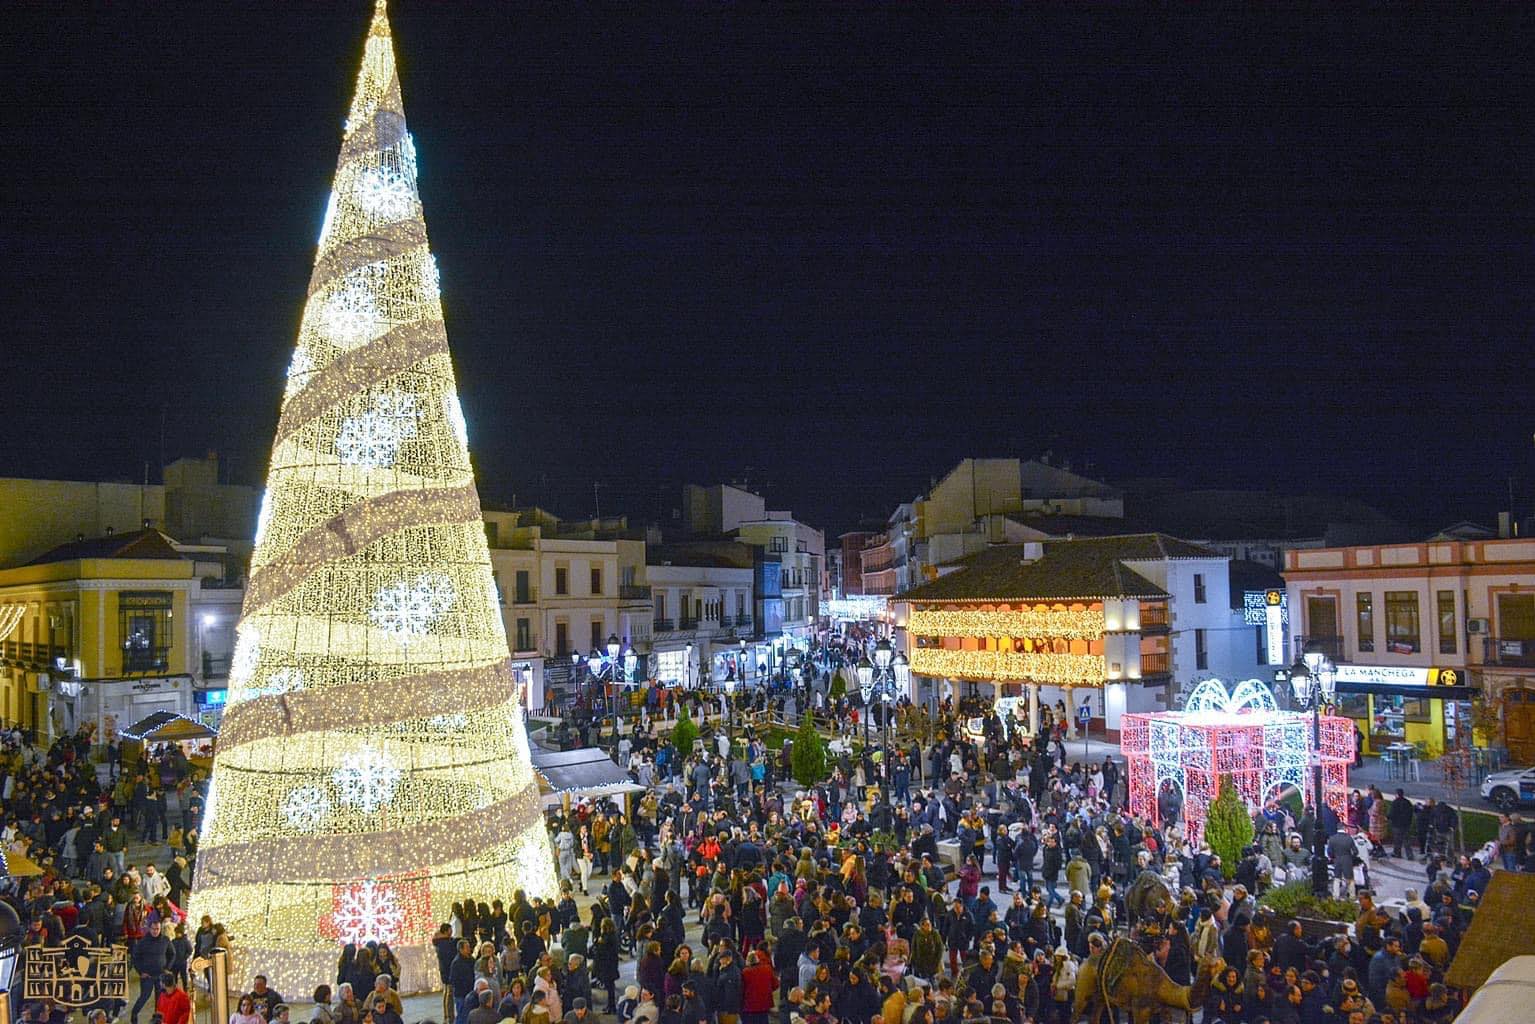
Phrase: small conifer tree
[1228,826]
[684,733]
[808,755]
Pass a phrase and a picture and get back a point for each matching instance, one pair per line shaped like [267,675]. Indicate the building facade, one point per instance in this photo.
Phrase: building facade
[1417,630]
[108,630]
[1118,624]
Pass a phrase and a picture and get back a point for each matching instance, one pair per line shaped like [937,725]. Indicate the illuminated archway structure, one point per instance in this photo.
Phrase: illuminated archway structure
[372,766]
[1241,734]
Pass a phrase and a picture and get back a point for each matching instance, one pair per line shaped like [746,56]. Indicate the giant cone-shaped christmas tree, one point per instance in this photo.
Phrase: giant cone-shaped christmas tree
[372,766]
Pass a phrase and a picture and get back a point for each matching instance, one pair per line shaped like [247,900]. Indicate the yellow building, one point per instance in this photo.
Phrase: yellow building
[110,629]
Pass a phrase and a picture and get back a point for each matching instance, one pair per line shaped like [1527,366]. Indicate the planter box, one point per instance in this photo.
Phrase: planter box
[1314,928]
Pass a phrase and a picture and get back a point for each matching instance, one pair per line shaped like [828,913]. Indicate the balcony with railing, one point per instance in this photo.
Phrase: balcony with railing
[663,625]
[1332,646]
[527,595]
[687,624]
[1505,651]
[1155,618]
[215,666]
[1156,665]
[29,655]
[744,620]
[633,592]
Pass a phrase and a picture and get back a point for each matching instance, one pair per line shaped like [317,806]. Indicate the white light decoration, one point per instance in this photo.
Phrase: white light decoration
[301,365]
[264,516]
[372,763]
[330,217]
[407,610]
[368,913]
[385,193]
[373,439]
[246,656]
[431,280]
[351,315]
[305,808]
[282,680]
[453,411]
[1210,695]
[367,779]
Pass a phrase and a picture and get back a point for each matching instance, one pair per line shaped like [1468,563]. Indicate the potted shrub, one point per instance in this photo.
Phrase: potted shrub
[1319,918]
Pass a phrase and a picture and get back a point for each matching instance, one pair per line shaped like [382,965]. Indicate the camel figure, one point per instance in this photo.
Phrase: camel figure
[1133,981]
[1150,898]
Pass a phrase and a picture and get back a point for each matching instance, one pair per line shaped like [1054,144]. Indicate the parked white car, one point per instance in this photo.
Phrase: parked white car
[1507,790]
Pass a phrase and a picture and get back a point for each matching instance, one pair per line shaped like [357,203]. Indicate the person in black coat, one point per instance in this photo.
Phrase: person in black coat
[1290,949]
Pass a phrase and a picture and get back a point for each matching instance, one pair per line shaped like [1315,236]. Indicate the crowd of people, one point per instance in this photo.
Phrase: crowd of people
[997,872]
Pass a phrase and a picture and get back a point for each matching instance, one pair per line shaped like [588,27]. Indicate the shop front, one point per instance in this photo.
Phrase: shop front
[1428,708]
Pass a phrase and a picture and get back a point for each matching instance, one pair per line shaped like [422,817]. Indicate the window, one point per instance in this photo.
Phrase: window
[596,580]
[562,638]
[1516,617]
[1322,617]
[1364,615]
[597,640]
[1201,649]
[779,544]
[1402,632]
[524,635]
[1261,634]
[523,592]
[1448,633]
[1199,589]
[144,625]
[660,604]
[561,579]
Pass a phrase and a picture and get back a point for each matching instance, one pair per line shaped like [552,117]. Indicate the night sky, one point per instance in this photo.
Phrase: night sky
[828,249]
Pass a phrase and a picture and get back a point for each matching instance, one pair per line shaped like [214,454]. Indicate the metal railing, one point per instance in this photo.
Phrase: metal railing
[1155,664]
[1504,651]
[633,592]
[528,596]
[663,625]
[1332,646]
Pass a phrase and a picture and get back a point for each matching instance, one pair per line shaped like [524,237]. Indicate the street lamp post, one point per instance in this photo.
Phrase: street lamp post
[884,656]
[613,647]
[1312,679]
[865,673]
[741,663]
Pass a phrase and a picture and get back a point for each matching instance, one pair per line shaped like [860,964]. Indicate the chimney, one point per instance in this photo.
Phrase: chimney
[1505,525]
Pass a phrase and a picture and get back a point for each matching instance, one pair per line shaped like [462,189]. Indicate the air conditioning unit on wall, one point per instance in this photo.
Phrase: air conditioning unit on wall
[1476,626]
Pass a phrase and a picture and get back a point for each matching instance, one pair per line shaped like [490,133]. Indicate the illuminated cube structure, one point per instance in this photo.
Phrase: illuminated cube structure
[1263,750]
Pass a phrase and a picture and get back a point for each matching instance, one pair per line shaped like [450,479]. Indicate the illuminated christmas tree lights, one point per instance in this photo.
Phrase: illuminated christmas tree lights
[372,766]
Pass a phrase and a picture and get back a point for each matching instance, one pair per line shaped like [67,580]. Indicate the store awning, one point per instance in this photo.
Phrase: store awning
[1411,691]
[586,772]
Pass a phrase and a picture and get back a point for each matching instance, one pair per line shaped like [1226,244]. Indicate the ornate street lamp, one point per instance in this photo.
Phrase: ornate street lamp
[1313,682]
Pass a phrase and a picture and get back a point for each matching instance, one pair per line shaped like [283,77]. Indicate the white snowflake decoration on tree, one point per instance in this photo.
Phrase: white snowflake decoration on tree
[368,913]
[406,610]
[385,193]
[372,440]
[350,316]
[306,807]
[367,779]
[247,655]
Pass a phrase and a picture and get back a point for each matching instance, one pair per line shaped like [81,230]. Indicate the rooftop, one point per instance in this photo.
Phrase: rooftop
[1066,570]
[139,544]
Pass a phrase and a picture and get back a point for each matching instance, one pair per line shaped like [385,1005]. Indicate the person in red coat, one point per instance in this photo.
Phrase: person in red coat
[759,985]
[173,1005]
